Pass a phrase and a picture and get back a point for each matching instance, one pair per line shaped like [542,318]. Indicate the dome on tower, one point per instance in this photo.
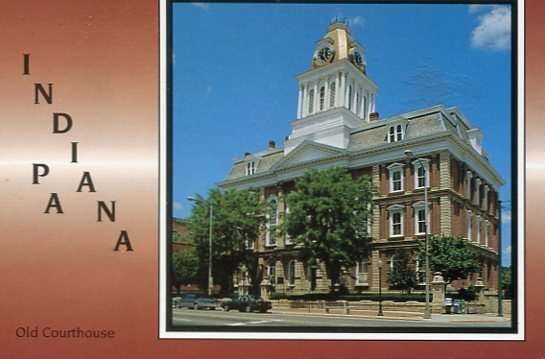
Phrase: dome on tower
[337,45]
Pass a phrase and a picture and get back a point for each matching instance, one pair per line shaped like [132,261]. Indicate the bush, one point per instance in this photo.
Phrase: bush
[396,297]
[468,294]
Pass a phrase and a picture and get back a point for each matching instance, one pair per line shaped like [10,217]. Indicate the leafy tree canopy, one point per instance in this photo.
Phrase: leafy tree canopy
[452,256]
[507,281]
[236,219]
[328,214]
[403,275]
[185,266]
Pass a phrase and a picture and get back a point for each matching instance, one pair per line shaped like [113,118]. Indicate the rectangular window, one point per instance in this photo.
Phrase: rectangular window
[469,226]
[291,273]
[249,244]
[421,219]
[396,223]
[395,174]
[362,272]
[478,231]
[272,222]
[250,168]
[421,177]
[271,273]
[487,233]
[396,181]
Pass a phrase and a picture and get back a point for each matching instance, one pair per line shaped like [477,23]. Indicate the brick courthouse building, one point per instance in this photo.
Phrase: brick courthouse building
[337,125]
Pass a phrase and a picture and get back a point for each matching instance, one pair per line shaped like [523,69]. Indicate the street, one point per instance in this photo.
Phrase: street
[277,318]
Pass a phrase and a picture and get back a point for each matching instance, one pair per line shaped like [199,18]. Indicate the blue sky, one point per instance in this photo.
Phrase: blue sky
[234,68]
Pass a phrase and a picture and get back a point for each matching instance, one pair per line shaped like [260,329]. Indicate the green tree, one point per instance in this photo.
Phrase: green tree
[236,220]
[507,282]
[328,214]
[402,276]
[184,267]
[454,257]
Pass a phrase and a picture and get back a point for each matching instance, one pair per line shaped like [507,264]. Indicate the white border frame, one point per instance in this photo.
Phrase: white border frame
[163,333]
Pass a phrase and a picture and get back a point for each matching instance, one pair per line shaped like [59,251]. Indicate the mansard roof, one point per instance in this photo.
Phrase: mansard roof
[425,124]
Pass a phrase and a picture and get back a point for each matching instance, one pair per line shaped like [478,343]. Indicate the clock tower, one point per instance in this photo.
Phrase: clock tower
[336,95]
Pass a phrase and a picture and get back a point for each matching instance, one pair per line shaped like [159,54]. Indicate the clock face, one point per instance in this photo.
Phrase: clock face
[324,54]
[358,59]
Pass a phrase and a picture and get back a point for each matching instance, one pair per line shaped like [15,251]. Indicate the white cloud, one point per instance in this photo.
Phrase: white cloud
[177,205]
[432,86]
[357,21]
[201,5]
[351,21]
[209,89]
[477,8]
[506,216]
[507,250]
[494,30]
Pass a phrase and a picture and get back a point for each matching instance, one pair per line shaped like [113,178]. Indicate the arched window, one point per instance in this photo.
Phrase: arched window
[350,97]
[356,110]
[395,133]
[365,107]
[322,98]
[311,101]
[332,94]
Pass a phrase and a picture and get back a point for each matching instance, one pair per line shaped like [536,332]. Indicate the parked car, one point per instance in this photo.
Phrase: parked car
[175,301]
[247,303]
[197,302]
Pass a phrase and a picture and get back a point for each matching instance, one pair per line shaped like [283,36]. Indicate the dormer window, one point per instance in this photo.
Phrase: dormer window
[395,133]
[250,168]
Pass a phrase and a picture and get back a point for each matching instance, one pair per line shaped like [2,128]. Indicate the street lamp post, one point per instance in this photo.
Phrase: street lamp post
[211,213]
[410,155]
[500,284]
[379,265]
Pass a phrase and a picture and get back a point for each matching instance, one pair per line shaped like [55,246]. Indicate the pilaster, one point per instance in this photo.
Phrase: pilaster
[445,176]
[446,215]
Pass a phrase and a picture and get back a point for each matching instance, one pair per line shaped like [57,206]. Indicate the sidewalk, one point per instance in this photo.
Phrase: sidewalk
[397,315]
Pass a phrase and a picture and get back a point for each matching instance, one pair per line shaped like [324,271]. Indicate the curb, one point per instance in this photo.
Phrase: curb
[348,316]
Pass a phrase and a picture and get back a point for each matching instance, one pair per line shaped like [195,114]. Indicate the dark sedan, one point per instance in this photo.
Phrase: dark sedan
[197,302]
[247,303]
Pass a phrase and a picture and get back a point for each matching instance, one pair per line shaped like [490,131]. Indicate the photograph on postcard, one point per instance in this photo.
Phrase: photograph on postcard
[342,169]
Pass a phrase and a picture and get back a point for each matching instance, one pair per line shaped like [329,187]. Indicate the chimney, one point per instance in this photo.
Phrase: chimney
[373,116]
[272,144]
[247,153]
